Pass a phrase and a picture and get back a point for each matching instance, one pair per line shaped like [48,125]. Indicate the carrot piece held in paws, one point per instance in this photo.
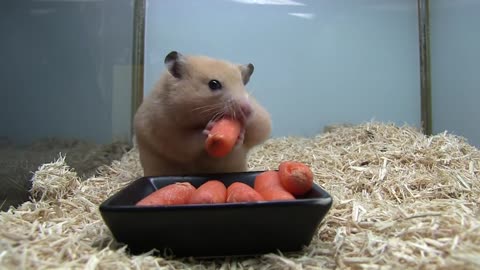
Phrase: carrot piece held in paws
[222,137]
[212,191]
[268,185]
[296,177]
[173,194]
[240,192]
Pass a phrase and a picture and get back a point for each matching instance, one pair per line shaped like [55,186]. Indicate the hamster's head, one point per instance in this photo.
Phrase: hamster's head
[206,88]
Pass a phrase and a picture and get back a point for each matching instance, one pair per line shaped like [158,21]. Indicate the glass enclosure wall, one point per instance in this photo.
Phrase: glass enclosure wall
[66,87]
[317,63]
[455,56]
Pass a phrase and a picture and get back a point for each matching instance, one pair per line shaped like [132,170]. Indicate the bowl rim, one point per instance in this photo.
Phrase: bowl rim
[326,200]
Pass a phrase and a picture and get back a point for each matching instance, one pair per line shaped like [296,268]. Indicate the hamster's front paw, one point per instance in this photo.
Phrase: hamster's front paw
[208,127]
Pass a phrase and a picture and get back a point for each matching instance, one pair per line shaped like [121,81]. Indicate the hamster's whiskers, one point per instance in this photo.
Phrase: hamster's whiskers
[226,110]
[235,110]
[217,116]
[208,109]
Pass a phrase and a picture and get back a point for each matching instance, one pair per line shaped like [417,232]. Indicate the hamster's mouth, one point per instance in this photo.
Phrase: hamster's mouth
[238,112]
[232,110]
[239,117]
[206,123]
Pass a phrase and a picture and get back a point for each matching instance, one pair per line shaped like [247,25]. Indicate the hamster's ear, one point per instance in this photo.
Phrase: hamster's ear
[246,71]
[174,62]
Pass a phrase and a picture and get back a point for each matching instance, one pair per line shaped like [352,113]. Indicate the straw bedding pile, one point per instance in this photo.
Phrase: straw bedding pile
[401,200]
[18,162]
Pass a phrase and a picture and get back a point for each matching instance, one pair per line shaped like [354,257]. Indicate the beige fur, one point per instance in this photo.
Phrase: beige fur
[170,123]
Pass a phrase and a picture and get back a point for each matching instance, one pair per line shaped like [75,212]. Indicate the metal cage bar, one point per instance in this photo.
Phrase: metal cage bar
[138,55]
[425,76]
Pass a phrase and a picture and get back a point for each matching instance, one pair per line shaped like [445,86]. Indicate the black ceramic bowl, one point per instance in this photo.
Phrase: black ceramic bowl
[230,229]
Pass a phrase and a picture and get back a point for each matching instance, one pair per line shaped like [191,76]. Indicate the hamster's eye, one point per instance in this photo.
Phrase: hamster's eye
[214,85]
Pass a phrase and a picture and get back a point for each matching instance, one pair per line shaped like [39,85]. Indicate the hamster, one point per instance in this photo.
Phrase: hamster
[172,123]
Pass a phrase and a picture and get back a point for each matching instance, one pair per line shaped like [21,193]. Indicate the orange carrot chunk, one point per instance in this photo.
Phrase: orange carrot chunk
[266,180]
[240,192]
[268,185]
[173,194]
[210,192]
[222,137]
[295,177]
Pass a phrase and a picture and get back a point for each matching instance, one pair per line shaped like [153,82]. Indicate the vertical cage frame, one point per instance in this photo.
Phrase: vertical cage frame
[138,56]
[425,68]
